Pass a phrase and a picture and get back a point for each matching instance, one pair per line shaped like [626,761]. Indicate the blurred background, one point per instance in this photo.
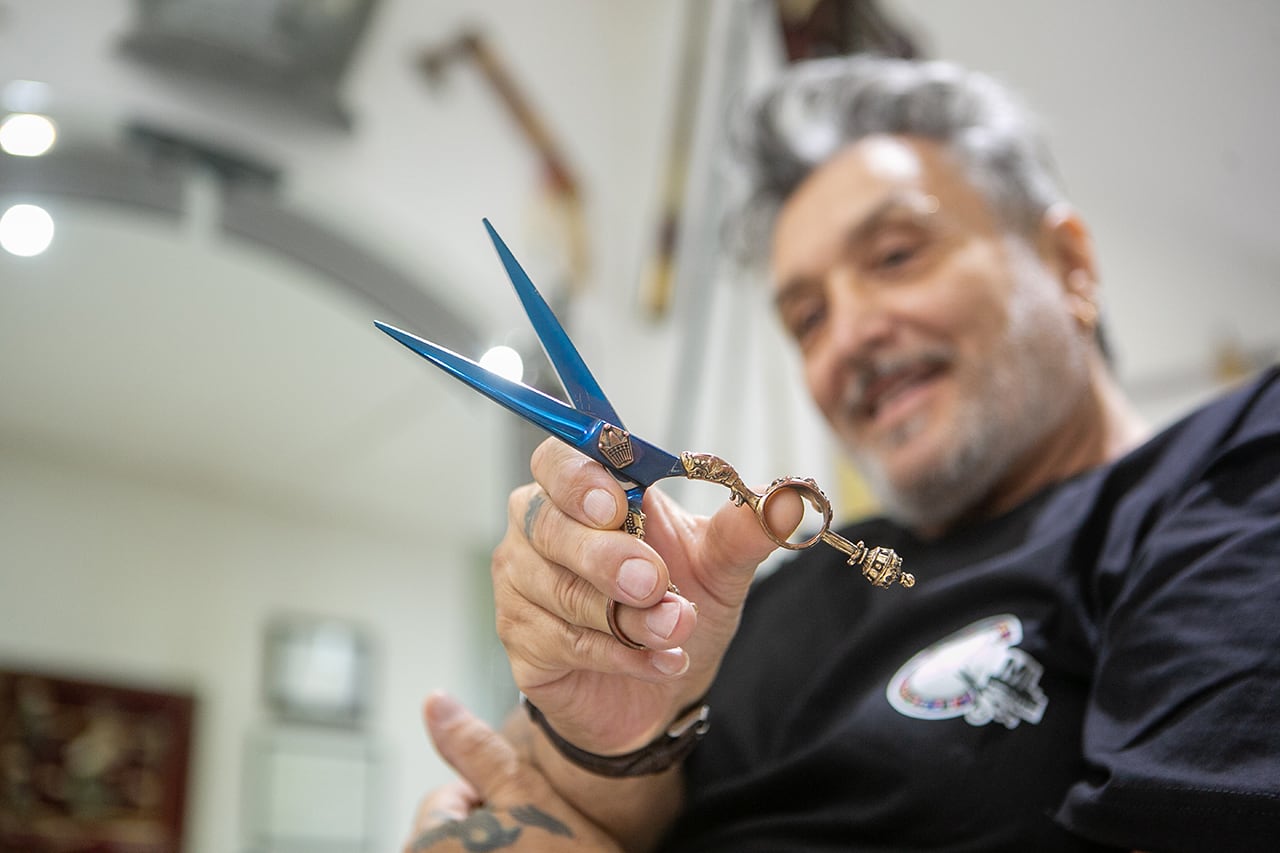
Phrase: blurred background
[243,534]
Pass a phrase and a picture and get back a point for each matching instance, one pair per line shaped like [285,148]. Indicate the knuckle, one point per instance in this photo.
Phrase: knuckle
[519,497]
[583,642]
[500,563]
[576,596]
[597,556]
[504,573]
[541,529]
[532,519]
[586,552]
[565,473]
[543,455]
[504,626]
[509,627]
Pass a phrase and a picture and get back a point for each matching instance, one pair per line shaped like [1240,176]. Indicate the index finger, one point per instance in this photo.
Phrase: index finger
[578,485]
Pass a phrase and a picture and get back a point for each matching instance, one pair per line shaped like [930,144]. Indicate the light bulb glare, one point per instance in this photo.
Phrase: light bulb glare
[25,230]
[27,134]
[505,362]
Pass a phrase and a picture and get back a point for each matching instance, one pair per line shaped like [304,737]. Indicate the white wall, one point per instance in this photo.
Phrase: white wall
[108,578]
[1161,117]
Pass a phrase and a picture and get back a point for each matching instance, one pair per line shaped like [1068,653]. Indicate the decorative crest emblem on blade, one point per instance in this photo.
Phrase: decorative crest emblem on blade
[615,444]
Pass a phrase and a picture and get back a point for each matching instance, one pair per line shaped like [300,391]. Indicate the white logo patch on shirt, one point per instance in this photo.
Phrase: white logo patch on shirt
[976,673]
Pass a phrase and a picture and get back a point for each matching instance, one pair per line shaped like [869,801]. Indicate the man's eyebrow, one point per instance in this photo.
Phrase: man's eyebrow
[791,290]
[919,208]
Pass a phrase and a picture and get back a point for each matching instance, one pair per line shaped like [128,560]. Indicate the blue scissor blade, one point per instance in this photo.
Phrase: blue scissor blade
[651,464]
[564,422]
[575,428]
[584,391]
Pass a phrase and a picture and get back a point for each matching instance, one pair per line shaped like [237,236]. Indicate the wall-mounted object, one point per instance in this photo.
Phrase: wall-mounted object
[317,671]
[293,53]
[91,766]
[311,790]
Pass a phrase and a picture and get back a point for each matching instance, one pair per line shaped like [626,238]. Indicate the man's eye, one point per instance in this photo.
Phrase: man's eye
[897,256]
[805,322]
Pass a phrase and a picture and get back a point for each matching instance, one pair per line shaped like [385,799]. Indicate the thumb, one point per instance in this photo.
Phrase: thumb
[738,535]
[479,754]
[736,542]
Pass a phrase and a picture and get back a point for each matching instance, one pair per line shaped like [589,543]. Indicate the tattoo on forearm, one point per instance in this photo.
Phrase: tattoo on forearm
[531,513]
[481,831]
[478,832]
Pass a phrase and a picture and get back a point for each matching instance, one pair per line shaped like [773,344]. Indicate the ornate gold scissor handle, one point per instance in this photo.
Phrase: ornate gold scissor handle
[881,566]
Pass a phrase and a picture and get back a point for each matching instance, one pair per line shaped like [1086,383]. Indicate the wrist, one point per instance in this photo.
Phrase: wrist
[667,750]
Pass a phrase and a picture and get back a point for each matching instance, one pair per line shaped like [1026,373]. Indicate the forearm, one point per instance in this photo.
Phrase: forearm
[636,811]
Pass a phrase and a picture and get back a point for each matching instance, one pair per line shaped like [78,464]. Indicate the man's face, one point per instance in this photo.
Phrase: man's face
[940,347]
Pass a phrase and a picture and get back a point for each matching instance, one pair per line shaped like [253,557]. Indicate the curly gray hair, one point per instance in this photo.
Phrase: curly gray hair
[817,108]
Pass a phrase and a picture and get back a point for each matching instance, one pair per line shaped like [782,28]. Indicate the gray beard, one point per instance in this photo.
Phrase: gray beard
[984,453]
[1034,381]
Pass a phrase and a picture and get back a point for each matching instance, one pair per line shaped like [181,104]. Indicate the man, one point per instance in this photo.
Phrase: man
[1091,657]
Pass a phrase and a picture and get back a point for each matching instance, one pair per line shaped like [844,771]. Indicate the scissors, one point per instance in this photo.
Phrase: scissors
[590,425]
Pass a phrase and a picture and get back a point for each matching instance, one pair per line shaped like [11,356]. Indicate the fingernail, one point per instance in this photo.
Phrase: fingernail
[670,661]
[443,709]
[637,578]
[600,507]
[662,619]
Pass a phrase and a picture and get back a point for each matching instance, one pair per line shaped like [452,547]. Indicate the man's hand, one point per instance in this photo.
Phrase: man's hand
[564,557]
[500,802]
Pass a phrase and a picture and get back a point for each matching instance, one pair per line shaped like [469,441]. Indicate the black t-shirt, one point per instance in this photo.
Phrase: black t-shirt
[1097,669]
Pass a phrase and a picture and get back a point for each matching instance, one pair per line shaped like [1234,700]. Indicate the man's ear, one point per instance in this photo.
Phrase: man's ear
[1067,247]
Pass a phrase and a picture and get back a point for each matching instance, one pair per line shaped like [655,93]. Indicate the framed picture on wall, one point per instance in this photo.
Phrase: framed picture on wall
[91,767]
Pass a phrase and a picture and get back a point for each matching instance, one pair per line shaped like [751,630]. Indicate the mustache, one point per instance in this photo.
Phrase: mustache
[872,373]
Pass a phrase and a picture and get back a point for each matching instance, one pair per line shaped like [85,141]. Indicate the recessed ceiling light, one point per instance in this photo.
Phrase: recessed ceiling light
[26,230]
[27,134]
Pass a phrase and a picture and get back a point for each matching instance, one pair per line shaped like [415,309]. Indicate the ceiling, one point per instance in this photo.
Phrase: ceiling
[138,349]
[225,344]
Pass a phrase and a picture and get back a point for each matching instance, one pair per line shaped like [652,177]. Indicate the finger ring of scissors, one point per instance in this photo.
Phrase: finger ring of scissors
[881,566]
[611,616]
[591,425]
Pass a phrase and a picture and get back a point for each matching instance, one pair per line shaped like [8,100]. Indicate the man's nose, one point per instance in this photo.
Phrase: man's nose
[860,321]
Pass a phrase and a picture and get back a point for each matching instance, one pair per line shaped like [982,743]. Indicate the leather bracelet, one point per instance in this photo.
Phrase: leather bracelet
[662,753]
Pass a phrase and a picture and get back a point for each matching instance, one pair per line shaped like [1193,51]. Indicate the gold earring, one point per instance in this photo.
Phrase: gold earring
[1086,313]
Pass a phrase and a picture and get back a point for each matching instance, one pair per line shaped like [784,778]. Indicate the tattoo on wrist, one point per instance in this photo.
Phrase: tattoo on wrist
[531,513]
[482,831]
